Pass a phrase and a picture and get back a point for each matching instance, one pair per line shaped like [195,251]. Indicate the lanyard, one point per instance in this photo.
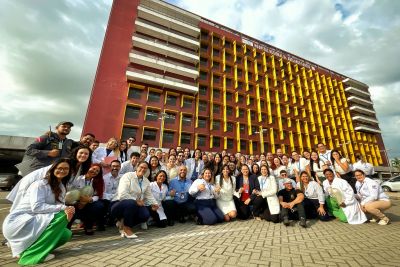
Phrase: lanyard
[262,183]
[359,189]
[160,194]
[140,185]
[182,185]
[298,166]
[88,182]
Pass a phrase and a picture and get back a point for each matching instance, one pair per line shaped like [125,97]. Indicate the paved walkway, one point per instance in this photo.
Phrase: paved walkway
[239,243]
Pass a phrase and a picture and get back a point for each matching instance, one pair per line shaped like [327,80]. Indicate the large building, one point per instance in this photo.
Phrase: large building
[170,77]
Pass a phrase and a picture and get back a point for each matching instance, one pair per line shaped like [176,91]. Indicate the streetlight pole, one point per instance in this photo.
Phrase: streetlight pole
[163,115]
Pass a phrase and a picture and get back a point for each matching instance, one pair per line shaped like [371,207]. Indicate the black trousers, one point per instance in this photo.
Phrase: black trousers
[349,177]
[168,206]
[243,210]
[297,212]
[91,213]
[311,208]
[261,209]
[179,210]
[128,210]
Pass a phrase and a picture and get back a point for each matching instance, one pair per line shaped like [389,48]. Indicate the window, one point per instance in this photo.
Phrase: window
[152,115]
[203,90]
[229,126]
[216,66]
[252,115]
[217,79]
[128,132]
[168,137]
[154,96]
[203,61]
[262,104]
[201,140]
[149,135]
[263,117]
[132,112]
[239,73]
[171,100]
[202,123]
[203,75]
[240,99]
[238,59]
[254,130]
[202,105]
[169,118]
[255,146]
[187,120]
[229,97]
[241,113]
[251,101]
[240,85]
[216,142]
[243,145]
[229,143]
[228,69]
[185,138]
[228,56]
[216,52]
[187,102]
[135,93]
[204,48]
[229,111]
[217,93]
[228,44]
[251,88]
[216,109]
[242,128]
[216,125]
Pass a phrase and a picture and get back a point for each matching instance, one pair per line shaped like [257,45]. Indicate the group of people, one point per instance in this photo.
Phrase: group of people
[126,185]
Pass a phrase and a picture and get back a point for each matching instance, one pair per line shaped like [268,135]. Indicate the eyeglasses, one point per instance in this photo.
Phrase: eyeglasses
[62,169]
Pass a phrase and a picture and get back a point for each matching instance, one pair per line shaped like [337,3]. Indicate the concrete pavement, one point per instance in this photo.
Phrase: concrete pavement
[239,243]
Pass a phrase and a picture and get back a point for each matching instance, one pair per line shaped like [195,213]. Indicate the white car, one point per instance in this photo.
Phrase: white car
[393,184]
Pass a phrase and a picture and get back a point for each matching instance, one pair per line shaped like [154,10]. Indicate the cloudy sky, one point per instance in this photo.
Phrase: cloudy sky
[49,51]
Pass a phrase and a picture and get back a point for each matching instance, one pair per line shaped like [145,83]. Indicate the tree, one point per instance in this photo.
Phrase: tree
[396,163]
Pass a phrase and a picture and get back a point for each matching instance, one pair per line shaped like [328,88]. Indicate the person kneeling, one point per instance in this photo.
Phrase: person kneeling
[291,201]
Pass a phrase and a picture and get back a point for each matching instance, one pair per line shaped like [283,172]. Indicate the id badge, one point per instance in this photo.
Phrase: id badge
[246,191]
[182,195]
[60,145]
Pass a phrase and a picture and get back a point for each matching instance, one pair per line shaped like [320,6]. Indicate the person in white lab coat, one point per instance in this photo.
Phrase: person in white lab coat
[133,193]
[372,198]
[341,201]
[37,223]
[163,215]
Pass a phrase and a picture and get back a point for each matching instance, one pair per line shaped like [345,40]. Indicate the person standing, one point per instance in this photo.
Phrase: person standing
[48,148]
[366,167]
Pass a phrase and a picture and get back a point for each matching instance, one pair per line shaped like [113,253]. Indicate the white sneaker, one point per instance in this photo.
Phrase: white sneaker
[373,220]
[49,257]
[384,221]
[143,226]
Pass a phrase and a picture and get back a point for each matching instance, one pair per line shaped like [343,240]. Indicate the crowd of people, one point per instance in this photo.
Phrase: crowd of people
[123,184]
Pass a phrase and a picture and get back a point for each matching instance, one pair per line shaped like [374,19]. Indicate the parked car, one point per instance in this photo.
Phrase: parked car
[9,180]
[393,184]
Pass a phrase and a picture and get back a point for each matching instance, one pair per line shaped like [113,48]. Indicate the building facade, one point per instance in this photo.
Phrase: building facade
[170,77]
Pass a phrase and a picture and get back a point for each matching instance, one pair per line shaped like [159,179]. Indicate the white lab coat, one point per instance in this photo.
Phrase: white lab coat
[129,188]
[370,191]
[269,188]
[30,216]
[110,186]
[353,212]
[159,195]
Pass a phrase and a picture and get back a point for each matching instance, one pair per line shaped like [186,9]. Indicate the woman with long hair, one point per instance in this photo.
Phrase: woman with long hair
[246,185]
[314,198]
[123,151]
[37,223]
[342,167]
[255,169]
[217,164]
[170,168]
[90,209]
[227,185]
[104,155]
[266,205]
[154,168]
[163,216]
[317,167]
[278,167]
[204,192]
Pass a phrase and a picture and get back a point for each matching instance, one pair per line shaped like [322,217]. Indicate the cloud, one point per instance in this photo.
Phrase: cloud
[49,56]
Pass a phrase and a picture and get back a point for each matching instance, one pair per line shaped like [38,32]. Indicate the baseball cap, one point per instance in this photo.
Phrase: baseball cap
[65,123]
[287,181]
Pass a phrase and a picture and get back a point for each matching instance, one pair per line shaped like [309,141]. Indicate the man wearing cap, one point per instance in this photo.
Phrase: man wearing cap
[49,147]
[291,200]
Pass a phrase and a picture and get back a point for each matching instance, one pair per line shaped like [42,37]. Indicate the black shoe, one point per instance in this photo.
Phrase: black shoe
[303,222]
[100,228]
[89,232]
[286,221]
